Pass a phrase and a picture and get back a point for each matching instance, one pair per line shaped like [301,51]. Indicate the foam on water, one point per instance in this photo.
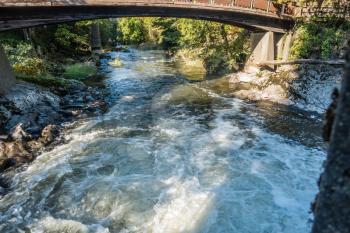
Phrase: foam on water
[158,163]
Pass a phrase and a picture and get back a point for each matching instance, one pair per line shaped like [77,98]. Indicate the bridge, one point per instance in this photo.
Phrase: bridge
[268,22]
[260,15]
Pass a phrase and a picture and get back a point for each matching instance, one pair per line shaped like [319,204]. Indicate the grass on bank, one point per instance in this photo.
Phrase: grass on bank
[80,71]
[84,72]
[75,74]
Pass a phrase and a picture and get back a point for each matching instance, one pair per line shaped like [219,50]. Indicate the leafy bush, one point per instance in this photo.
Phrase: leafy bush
[24,58]
[319,40]
[307,41]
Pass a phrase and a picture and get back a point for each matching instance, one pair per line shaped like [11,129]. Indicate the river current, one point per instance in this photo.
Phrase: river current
[172,156]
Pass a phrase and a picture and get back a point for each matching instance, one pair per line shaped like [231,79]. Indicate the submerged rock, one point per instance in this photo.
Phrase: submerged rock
[13,154]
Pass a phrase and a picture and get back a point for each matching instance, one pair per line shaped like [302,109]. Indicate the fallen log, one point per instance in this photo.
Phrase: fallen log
[338,62]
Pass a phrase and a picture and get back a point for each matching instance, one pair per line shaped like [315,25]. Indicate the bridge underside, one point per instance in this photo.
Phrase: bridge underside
[22,17]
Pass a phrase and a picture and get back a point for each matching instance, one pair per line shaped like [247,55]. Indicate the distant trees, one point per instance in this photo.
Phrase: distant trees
[220,46]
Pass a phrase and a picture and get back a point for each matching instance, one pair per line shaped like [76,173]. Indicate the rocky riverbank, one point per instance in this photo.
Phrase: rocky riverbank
[307,87]
[32,117]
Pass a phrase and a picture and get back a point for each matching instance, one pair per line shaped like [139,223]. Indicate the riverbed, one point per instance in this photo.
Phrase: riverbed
[173,155]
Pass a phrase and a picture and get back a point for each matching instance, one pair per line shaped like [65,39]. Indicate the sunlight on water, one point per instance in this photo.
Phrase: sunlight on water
[169,157]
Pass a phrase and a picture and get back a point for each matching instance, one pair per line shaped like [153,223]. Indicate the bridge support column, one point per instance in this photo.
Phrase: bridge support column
[263,49]
[7,77]
[96,44]
[283,46]
[268,46]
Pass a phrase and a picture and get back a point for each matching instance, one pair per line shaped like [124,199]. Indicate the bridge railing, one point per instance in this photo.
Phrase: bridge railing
[324,12]
[260,5]
[257,5]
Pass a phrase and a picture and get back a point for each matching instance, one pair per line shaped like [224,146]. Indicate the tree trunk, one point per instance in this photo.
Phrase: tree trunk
[332,206]
[224,37]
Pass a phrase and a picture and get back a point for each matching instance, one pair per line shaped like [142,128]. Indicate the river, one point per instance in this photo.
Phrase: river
[172,156]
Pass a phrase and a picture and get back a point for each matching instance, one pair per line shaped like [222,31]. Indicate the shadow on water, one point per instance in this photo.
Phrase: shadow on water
[294,123]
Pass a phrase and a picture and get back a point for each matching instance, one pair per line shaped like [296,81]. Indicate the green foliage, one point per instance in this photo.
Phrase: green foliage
[108,30]
[155,30]
[23,57]
[79,71]
[131,31]
[73,37]
[167,30]
[220,46]
[319,40]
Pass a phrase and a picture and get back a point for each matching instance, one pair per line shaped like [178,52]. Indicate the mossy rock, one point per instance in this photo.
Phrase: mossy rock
[59,86]
[116,63]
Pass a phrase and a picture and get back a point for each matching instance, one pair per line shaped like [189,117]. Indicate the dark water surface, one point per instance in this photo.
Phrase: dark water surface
[173,156]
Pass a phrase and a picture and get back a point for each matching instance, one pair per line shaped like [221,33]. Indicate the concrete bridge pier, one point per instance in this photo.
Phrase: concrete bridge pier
[7,77]
[268,46]
[96,44]
[284,44]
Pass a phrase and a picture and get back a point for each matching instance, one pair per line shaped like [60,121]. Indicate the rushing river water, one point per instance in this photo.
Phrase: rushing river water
[172,156]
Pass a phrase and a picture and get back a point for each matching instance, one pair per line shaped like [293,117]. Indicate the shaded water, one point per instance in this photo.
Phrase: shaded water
[172,156]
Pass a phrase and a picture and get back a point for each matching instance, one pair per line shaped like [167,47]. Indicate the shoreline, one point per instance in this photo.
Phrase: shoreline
[32,121]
